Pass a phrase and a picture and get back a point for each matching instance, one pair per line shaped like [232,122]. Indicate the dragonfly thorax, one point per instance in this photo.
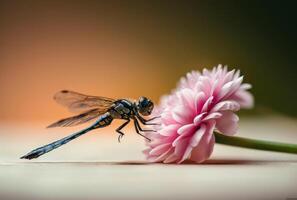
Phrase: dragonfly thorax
[126,109]
[122,109]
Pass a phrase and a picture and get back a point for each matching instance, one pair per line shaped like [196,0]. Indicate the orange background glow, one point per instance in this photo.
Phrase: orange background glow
[125,49]
[49,47]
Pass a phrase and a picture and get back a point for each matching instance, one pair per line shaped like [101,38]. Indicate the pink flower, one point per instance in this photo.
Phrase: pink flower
[201,104]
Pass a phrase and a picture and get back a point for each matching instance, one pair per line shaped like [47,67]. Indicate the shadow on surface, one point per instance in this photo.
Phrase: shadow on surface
[208,162]
[243,162]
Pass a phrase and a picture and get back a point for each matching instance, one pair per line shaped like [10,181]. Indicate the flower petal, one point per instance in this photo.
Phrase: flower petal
[182,114]
[205,146]
[197,136]
[186,155]
[160,149]
[226,105]
[187,96]
[181,146]
[228,123]
[171,158]
[184,130]
[244,98]
[224,90]
[207,104]
[245,86]
[214,115]
[198,119]
[199,101]
[235,86]
[202,152]
[163,156]
[169,129]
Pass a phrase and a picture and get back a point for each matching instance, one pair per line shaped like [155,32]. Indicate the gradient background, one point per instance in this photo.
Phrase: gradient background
[133,48]
[142,48]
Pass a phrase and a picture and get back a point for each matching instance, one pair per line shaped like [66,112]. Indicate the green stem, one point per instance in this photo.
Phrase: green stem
[255,144]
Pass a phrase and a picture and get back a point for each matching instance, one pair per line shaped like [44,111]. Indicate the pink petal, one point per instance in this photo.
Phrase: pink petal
[186,129]
[204,148]
[164,155]
[245,86]
[197,136]
[199,101]
[166,118]
[188,98]
[226,105]
[177,140]
[236,85]
[186,155]
[206,85]
[214,115]
[187,132]
[182,114]
[198,119]
[171,158]
[160,149]
[229,76]
[169,129]
[228,123]
[202,152]
[224,90]
[207,104]
[181,146]
[244,98]
[213,87]
[237,74]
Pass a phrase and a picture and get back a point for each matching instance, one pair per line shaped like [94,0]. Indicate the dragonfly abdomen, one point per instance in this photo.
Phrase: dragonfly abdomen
[104,120]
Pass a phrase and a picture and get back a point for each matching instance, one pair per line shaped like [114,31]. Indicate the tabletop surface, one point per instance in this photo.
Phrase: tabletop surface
[96,166]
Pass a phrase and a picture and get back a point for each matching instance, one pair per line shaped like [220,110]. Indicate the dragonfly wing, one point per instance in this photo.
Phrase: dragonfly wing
[78,119]
[77,102]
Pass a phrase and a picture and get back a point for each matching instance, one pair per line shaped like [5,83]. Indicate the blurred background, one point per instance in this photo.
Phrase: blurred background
[138,48]
[133,48]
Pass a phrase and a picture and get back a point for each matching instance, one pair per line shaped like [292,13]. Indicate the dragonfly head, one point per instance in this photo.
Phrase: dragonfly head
[145,106]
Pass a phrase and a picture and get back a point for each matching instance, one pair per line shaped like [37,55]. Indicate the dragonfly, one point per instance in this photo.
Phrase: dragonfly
[104,110]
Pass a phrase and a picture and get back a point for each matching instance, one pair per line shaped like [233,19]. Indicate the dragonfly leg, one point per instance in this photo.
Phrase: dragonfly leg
[120,128]
[136,125]
[143,130]
[151,119]
[145,121]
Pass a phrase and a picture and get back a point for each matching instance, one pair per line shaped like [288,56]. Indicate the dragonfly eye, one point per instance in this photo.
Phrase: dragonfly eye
[145,106]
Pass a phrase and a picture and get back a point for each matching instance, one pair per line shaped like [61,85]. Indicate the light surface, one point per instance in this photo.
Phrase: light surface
[95,166]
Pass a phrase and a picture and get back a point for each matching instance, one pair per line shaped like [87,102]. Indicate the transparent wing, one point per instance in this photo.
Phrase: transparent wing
[78,119]
[78,103]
